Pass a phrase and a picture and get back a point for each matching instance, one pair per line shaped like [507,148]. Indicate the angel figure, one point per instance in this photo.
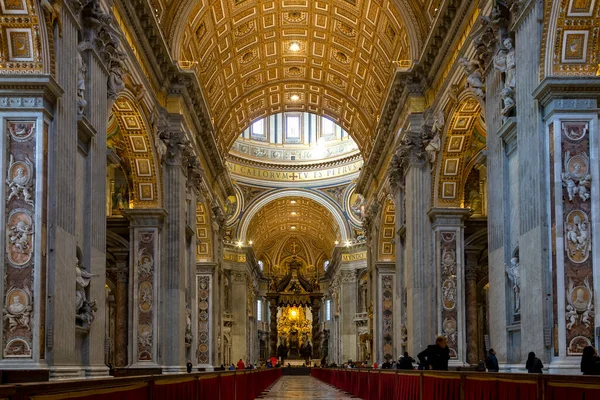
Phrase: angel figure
[571,317]
[435,144]
[474,76]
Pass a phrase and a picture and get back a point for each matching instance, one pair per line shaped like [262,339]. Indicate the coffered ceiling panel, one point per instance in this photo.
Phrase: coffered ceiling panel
[257,58]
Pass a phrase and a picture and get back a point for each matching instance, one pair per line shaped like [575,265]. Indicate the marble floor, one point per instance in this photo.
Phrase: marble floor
[303,387]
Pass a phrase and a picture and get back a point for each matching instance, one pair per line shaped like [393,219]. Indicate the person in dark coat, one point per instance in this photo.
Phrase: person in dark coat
[189,366]
[406,362]
[534,365]
[590,362]
[491,362]
[436,356]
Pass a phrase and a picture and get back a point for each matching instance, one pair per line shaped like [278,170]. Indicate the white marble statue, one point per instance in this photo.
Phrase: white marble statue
[85,309]
[475,79]
[20,185]
[435,144]
[81,76]
[514,275]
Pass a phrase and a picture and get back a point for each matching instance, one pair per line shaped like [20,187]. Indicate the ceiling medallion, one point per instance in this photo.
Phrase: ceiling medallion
[248,56]
[253,80]
[244,29]
[345,29]
[294,71]
[337,81]
[341,57]
[294,16]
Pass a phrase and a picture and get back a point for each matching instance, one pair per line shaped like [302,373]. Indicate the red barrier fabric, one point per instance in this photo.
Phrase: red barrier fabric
[387,385]
[407,387]
[575,392]
[516,390]
[176,391]
[363,389]
[438,387]
[240,386]
[373,386]
[209,388]
[355,383]
[227,387]
[251,382]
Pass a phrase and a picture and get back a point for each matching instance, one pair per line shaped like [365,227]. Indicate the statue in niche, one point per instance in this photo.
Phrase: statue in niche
[188,327]
[475,79]
[81,76]
[508,100]
[504,61]
[514,275]
[120,199]
[84,308]
[475,201]
[226,294]
[363,295]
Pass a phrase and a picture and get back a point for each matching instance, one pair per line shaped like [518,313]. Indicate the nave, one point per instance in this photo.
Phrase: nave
[303,387]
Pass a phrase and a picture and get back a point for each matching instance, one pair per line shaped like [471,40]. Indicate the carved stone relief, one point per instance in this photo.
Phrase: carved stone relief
[19,239]
[203,296]
[145,288]
[449,292]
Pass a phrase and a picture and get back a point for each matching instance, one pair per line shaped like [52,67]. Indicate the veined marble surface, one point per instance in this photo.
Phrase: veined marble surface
[303,387]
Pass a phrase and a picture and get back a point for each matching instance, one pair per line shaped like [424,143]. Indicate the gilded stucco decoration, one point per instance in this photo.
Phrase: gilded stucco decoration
[130,140]
[387,247]
[572,40]
[332,58]
[296,226]
[464,139]
[20,38]
[203,234]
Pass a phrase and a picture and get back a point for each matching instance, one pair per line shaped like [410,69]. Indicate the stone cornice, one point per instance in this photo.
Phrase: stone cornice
[30,85]
[552,88]
[294,167]
[451,216]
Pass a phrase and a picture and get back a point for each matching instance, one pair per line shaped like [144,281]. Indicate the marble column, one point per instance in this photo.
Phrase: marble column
[121,309]
[273,327]
[448,227]
[472,258]
[419,272]
[146,231]
[316,327]
[173,275]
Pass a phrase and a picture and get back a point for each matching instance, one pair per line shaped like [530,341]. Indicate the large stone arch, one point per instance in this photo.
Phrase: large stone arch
[259,203]
[464,127]
[570,41]
[135,146]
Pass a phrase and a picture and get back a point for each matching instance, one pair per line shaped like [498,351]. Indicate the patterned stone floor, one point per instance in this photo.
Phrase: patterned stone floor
[303,387]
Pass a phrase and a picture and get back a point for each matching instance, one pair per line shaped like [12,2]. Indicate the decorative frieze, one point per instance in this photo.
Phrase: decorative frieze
[387,316]
[448,275]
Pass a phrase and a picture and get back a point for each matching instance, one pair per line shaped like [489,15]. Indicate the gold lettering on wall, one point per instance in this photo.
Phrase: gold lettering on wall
[314,175]
[362,255]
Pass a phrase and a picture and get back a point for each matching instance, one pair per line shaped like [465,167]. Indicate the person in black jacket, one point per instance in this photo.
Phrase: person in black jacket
[189,366]
[491,362]
[534,365]
[436,356]
[406,362]
[590,362]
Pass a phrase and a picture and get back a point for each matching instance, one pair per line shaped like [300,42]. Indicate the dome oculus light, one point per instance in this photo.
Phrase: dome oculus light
[294,46]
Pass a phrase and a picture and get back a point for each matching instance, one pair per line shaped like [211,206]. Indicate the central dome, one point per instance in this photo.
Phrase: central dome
[294,138]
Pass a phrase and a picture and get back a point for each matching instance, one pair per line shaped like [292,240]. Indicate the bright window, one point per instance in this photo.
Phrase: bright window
[258,128]
[327,310]
[327,127]
[259,310]
[292,127]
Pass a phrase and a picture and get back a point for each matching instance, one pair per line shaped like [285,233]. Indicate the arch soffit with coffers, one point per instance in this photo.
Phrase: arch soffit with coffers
[570,42]
[321,77]
[137,144]
[452,166]
[265,199]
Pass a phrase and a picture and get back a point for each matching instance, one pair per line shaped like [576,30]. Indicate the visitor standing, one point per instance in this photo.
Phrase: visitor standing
[436,356]
[534,365]
[240,364]
[590,362]
[406,362]
[491,362]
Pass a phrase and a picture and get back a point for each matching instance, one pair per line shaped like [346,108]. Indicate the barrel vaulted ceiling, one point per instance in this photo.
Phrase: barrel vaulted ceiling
[260,57]
[292,217]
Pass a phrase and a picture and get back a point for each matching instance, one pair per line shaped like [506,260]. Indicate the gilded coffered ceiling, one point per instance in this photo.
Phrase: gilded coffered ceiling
[283,220]
[257,58]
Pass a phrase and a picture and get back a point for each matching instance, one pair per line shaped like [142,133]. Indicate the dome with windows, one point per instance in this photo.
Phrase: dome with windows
[294,138]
